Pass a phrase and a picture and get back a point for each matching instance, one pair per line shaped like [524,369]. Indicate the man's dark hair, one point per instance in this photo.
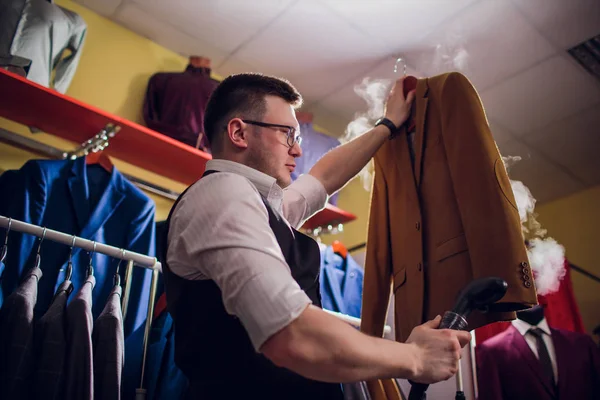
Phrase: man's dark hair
[243,96]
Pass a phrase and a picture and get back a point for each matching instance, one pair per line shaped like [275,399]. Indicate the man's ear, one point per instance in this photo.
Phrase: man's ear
[237,133]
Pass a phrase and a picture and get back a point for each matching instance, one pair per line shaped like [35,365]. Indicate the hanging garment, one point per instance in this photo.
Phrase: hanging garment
[448,218]
[560,308]
[508,369]
[164,380]
[72,197]
[108,349]
[16,338]
[213,348]
[79,376]
[51,348]
[41,31]
[341,283]
[314,146]
[175,103]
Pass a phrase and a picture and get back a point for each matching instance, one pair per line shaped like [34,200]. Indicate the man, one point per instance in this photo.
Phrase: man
[242,283]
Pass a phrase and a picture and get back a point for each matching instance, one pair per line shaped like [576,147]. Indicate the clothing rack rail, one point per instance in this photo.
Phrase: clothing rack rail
[131,257]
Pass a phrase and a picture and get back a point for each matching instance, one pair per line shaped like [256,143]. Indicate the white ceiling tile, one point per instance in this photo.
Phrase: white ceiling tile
[572,140]
[546,188]
[138,20]
[309,37]
[488,42]
[102,7]
[349,103]
[588,172]
[322,81]
[500,133]
[548,92]
[390,21]
[234,66]
[226,24]
[565,23]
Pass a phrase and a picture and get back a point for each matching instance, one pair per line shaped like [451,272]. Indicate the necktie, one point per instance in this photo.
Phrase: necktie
[543,354]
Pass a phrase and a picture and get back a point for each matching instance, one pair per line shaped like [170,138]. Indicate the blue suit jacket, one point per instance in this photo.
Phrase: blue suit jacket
[341,283]
[67,196]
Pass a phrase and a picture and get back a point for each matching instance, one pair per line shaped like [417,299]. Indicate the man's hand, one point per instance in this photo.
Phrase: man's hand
[437,351]
[397,108]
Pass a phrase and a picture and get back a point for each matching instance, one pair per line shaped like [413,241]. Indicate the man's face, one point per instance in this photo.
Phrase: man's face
[268,151]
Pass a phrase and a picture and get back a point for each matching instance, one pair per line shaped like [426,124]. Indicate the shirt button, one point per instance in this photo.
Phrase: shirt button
[418,225]
[352,274]
[419,266]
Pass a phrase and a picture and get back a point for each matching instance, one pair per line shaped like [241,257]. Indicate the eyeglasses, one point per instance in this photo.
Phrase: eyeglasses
[293,136]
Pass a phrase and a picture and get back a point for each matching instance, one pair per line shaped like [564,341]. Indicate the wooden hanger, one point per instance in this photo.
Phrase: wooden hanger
[339,248]
[99,158]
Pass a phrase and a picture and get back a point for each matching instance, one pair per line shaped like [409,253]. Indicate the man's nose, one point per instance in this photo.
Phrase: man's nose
[296,150]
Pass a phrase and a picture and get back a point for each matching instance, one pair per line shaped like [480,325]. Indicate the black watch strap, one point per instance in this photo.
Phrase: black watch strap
[389,124]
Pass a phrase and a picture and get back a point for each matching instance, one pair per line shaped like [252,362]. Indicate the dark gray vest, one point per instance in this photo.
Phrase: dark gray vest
[212,347]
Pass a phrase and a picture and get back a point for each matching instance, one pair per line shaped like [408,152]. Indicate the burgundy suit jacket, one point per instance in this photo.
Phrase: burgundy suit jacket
[508,369]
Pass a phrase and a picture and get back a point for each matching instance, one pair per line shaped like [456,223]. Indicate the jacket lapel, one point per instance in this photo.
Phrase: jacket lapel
[420,115]
[113,196]
[79,193]
[520,344]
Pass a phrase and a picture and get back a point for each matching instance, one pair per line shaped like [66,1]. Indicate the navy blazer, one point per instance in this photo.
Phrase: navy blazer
[341,283]
[508,369]
[71,197]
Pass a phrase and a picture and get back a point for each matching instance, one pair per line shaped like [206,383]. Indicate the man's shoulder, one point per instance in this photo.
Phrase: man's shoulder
[217,190]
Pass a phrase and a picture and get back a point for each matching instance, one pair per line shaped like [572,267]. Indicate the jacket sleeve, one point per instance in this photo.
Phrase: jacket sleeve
[483,192]
[378,264]
[488,377]
[66,67]
[24,199]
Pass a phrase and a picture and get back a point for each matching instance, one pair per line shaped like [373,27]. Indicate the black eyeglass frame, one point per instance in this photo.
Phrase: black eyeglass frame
[292,138]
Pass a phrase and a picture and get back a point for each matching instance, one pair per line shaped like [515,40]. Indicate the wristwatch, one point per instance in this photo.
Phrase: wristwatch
[389,124]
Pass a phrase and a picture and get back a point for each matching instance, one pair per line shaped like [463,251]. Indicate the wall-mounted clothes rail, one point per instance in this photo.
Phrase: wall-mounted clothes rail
[44,150]
[131,257]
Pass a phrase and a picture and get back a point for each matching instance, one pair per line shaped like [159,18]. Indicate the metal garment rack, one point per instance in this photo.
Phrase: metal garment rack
[131,257]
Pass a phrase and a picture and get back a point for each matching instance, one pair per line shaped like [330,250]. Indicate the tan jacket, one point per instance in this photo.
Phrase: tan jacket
[453,220]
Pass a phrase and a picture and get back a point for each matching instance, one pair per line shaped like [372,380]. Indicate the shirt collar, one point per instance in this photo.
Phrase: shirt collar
[266,185]
[523,327]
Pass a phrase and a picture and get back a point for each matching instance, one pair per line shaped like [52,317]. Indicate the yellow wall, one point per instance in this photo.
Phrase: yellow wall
[112,74]
[574,221]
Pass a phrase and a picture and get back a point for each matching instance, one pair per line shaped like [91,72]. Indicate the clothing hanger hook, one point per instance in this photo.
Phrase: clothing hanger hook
[38,257]
[5,246]
[70,263]
[117,277]
[90,266]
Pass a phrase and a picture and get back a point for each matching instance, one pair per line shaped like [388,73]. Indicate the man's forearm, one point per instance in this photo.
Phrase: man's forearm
[341,164]
[321,347]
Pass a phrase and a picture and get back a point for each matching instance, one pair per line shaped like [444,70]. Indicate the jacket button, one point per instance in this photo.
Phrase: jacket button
[419,266]
[524,264]
[525,271]
[526,277]
[527,284]
[418,225]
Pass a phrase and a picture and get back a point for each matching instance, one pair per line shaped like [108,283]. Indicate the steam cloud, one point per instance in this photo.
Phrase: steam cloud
[374,93]
[546,256]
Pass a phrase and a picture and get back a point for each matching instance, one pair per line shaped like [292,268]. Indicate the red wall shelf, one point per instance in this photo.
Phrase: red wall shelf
[33,105]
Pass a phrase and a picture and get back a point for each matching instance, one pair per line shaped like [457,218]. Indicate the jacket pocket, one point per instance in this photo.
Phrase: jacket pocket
[399,278]
[451,247]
